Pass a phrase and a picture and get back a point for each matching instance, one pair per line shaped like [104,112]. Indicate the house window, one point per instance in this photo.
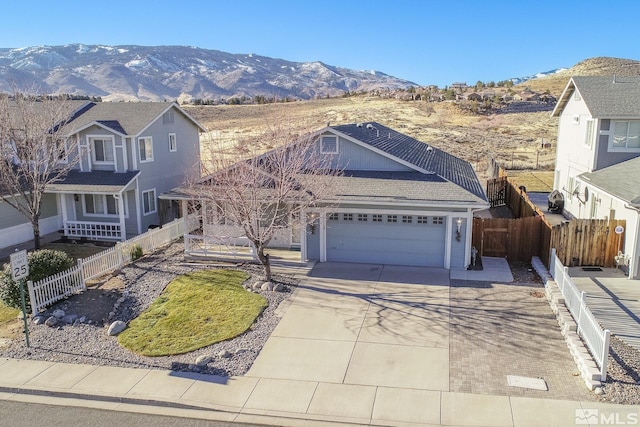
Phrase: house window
[588,140]
[100,205]
[626,136]
[173,144]
[437,220]
[407,219]
[102,150]
[363,217]
[149,202]
[333,217]
[347,217]
[168,118]
[376,218]
[423,219]
[145,145]
[329,145]
[392,218]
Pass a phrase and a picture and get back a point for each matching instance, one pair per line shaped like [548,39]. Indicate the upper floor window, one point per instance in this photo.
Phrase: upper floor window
[102,149]
[173,144]
[626,136]
[145,146]
[329,145]
[588,140]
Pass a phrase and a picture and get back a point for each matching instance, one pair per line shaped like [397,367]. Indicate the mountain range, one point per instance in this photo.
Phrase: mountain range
[153,73]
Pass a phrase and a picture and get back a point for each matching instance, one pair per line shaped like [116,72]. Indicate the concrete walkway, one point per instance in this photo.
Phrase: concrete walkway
[359,344]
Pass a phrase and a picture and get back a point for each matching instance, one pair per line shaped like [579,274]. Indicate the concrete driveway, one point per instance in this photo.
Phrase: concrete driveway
[363,324]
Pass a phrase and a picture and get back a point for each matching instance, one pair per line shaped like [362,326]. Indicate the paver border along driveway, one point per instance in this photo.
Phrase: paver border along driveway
[363,324]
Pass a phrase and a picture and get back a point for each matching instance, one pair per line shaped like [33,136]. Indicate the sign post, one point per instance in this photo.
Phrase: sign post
[19,271]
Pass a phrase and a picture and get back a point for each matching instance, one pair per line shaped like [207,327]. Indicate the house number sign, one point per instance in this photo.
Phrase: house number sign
[619,229]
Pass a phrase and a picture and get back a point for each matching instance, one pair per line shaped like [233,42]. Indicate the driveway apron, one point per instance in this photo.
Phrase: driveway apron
[363,324]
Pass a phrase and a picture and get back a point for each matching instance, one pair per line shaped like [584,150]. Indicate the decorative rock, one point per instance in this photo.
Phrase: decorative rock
[51,321]
[112,315]
[82,319]
[241,350]
[256,286]
[69,318]
[278,287]
[120,300]
[267,286]
[116,327]
[59,314]
[224,354]
[202,360]
[598,391]
[39,320]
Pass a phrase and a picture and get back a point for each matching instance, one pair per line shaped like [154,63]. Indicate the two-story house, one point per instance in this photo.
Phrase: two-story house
[598,154]
[130,153]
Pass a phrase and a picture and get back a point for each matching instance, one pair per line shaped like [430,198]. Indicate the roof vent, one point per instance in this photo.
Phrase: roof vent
[429,148]
[359,125]
[370,126]
[389,135]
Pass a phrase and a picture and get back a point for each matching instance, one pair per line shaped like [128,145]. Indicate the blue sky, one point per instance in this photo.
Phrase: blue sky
[424,41]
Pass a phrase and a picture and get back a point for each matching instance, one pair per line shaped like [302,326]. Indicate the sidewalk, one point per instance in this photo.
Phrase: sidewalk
[278,402]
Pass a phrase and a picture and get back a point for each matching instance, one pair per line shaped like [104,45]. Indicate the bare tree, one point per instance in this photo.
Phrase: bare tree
[34,152]
[264,183]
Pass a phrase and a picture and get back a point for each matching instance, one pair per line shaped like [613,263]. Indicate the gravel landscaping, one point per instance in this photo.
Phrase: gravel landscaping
[623,374]
[87,341]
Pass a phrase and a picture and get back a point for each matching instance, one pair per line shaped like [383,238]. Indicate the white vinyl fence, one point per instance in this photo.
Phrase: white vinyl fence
[54,288]
[596,337]
[236,248]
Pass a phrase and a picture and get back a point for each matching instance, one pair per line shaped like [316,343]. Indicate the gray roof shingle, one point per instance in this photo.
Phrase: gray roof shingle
[128,118]
[605,96]
[417,153]
[93,182]
[621,180]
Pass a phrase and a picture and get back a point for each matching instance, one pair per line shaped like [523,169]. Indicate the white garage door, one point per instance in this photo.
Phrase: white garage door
[416,240]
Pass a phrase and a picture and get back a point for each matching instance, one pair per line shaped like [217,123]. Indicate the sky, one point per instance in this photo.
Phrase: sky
[423,41]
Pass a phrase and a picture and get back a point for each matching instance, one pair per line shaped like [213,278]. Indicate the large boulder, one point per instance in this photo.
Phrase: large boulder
[116,327]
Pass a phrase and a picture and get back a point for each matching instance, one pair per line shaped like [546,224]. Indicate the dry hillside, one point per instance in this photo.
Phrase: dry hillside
[514,138]
[600,66]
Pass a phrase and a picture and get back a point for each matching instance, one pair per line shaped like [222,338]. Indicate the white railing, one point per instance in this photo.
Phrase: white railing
[61,285]
[594,335]
[54,288]
[93,230]
[223,246]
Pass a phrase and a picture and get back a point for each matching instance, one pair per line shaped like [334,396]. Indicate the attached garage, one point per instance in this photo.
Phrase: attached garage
[386,238]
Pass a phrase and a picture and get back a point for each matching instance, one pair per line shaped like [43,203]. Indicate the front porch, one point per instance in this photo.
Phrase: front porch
[237,249]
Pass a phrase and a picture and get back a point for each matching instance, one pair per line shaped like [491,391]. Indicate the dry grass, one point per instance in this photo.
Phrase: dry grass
[441,124]
[534,181]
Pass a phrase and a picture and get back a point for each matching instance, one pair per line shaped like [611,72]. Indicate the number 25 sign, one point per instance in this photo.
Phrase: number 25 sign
[19,265]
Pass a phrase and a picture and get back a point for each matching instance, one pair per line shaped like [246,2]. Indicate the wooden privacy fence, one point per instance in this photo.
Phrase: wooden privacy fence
[516,239]
[588,242]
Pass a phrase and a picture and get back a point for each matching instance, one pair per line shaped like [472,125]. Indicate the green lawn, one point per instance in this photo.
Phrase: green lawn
[194,311]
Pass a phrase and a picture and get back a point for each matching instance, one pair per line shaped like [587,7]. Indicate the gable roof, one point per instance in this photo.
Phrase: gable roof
[621,180]
[93,182]
[604,96]
[125,118]
[421,156]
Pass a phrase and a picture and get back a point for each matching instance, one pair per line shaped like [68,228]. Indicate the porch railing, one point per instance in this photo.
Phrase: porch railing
[93,230]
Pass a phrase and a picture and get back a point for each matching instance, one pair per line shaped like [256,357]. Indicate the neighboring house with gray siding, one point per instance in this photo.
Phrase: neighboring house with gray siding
[130,153]
[598,153]
[399,201]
